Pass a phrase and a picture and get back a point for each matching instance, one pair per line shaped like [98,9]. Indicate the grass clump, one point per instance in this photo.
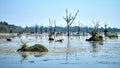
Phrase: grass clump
[24,47]
[38,47]
[95,36]
[94,33]
[35,48]
[112,35]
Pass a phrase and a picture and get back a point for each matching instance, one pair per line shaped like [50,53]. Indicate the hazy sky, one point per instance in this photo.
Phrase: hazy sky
[31,12]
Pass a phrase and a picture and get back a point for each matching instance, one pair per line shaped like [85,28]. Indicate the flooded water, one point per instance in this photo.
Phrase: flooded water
[72,53]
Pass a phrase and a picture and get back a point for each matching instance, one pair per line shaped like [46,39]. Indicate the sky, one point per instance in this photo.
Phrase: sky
[31,12]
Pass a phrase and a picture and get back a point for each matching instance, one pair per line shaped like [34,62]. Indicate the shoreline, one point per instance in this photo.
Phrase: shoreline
[7,35]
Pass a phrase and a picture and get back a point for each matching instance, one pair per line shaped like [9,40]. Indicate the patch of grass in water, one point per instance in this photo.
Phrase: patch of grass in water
[35,48]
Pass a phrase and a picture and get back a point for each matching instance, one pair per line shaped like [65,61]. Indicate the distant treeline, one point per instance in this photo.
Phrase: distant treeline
[8,28]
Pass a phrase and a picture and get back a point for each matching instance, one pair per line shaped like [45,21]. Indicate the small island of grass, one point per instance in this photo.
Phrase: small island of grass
[95,33]
[35,48]
[108,34]
[95,36]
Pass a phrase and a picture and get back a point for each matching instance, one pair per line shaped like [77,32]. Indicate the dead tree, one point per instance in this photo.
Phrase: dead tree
[36,28]
[41,29]
[69,19]
[78,28]
[96,24]
[52,29]
[95,32]
[105,30]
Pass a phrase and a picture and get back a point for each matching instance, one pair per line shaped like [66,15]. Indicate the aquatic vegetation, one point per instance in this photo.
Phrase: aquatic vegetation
[35,48]
[95,33]
[51,34]
[97,38]
[24,47]
[112,35]
[38,47]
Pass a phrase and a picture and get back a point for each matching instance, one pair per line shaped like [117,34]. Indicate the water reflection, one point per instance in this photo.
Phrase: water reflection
[36,37]
[67,51]
[95,47]
[24,55]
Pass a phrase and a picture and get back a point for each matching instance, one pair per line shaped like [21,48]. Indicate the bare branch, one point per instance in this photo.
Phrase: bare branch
[74,17]
[69,19]
[66,14]
[96,24]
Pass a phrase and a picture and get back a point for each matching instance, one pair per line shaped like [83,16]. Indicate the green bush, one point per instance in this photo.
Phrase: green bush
[95,36]
[36,48]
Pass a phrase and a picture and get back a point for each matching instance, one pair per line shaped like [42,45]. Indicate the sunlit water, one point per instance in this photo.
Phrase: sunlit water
[72,53]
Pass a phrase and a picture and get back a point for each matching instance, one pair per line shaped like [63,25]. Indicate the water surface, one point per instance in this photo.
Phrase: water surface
[72,53]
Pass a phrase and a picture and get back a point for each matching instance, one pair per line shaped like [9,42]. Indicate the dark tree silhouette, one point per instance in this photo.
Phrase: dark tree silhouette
[105,30]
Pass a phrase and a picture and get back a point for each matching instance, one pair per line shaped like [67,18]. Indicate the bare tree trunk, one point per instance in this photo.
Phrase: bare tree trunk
[68,31]
[69,19]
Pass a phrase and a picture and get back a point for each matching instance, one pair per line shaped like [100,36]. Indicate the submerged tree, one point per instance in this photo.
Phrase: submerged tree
[95,33]
[41,29]
[54,26]
[69,19]
[105,30]
[51,30]
[78,28]
[36,28]
[110,35]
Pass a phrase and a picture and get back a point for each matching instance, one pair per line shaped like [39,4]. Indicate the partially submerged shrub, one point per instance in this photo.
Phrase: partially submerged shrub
[24,47]
[36,48]
[95,36]
[50,36]
[105,32]
[95,33]
[112,35]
